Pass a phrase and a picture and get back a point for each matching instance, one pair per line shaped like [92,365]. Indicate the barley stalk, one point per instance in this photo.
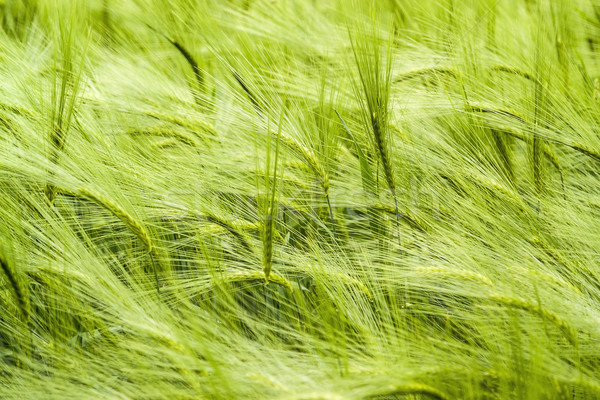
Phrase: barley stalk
[268,223]
[536,143]
[407,217]
[582,149]
[191,61]
[268,244]
[308,156]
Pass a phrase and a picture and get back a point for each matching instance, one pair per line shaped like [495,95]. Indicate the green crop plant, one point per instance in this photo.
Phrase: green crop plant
[296,199]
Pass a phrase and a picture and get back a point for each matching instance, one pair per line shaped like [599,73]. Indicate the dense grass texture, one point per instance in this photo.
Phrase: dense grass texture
[296,199]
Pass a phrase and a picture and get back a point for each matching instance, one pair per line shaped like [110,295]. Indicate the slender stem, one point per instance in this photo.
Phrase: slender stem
[331,216]
[155,268]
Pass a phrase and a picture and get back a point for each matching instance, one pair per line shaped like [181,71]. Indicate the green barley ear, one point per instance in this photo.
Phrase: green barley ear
[189,58]
[374,67]
[512,70]
[168,133]
[438,71]
[121,214]
[136,228]
[535,309]
[310,158]
[251,96]
[375,82]
[251,277]
[315,166]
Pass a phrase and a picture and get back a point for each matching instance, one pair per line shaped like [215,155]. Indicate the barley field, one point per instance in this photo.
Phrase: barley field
[300,199]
